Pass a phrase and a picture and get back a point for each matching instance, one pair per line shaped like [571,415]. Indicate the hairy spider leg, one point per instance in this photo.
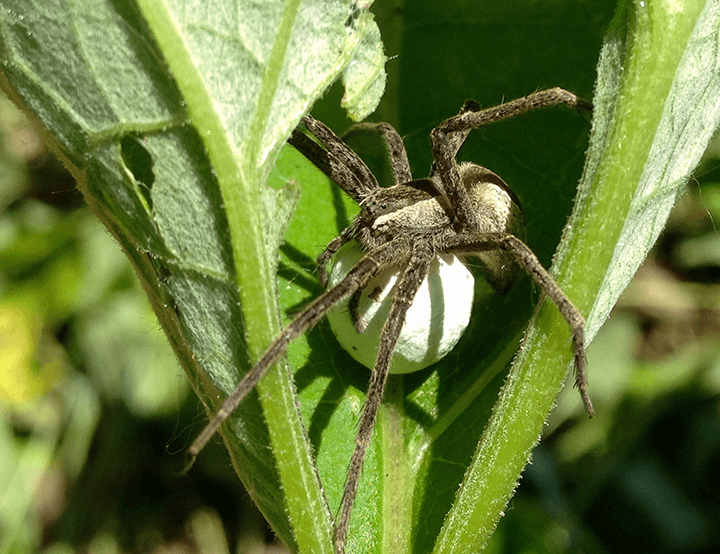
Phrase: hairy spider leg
[330,250]
[409,283]
[332,165]
[456,139]
[358,278]
[336,160]
[394,145]
[342,166]
[477,242]
[445,146]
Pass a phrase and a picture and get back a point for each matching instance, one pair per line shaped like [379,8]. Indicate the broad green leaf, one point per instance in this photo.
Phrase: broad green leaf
[431,421]
[171,115]
[444,409]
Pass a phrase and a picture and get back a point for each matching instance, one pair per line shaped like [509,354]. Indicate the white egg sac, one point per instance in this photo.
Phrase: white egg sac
[435,322]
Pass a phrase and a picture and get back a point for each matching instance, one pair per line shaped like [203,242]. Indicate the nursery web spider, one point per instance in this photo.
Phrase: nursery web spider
[462,209]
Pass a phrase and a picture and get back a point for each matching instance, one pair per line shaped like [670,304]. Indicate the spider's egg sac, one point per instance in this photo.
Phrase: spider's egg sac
[435,322]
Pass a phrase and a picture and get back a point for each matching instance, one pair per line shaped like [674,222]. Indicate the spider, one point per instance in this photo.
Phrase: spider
[459,209]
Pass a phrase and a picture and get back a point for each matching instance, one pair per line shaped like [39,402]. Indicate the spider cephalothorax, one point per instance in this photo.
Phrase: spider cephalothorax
[419,211]
[460,209]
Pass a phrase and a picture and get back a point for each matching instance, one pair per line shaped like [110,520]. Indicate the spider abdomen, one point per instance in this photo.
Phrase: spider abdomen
[497,210]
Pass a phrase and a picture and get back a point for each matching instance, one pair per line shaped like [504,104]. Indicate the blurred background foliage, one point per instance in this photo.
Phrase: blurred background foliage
[95,409]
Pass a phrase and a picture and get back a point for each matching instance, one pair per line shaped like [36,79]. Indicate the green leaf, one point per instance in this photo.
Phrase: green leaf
[171,115]
[210,96]
[430,422]
[364,77]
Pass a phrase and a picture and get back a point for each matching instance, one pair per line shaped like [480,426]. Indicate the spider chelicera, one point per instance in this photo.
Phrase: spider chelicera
[460,209]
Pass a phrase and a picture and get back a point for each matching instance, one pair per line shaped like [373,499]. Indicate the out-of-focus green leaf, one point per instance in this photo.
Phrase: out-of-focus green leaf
[13,173]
